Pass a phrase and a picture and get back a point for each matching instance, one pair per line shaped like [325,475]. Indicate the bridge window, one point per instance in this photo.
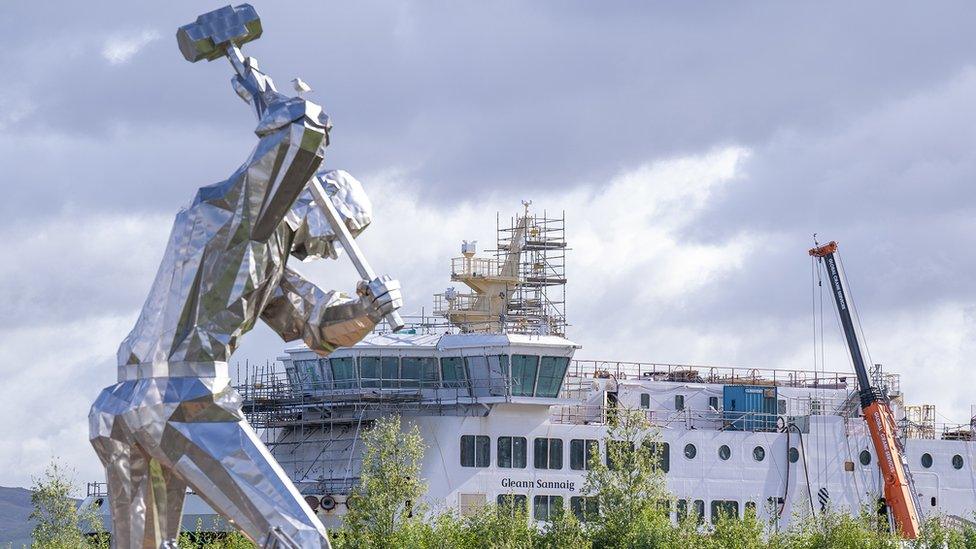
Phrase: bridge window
[957,461]
[584,507]
[502,363]
[475,451]
[452,371]
[414,369]
[369,371]
[511,452]
[511,505]
[343,372]
[580,452]
[645,401]
[548,453]
[375,371]
[546,507]
[864,457]
[926,460]
[307,371]
[724,508]
[551,372]
[524,370]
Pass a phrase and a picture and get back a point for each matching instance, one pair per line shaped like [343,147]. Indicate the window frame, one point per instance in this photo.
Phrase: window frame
[347,366]
[552,371]
[719,505]
[508,504]
[514,461]
[518,363]
[480,451]
[585,508]
[553,452]
[458,373]
[549,503]
[584,445]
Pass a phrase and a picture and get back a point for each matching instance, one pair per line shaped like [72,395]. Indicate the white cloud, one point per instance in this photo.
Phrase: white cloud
[121,48]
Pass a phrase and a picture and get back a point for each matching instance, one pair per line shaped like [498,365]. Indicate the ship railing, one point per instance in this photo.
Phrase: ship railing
[914,430]
[726,375]
[462,303]
[274,401]
[328,486]
[280,387]
[583,414]
[96,489]
[480,267]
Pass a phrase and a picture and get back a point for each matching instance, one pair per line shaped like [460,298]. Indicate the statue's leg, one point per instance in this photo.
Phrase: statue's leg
[230,468]
[126,489]
[168,494]
[126,469]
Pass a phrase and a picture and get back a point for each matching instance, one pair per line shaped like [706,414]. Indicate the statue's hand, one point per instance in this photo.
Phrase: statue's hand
[380,296]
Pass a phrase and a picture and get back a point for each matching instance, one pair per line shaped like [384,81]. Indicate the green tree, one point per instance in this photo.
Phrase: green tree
[630,486]
[57,521]
[386,505]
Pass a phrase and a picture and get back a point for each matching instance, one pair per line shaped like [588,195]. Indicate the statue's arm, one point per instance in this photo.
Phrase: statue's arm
[294,134]
[326,320]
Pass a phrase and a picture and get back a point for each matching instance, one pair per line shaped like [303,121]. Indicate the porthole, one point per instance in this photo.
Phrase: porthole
[758,453]
[926,460]
[724,452]
[690,451]
[865,457]
[957,461]
[794,455]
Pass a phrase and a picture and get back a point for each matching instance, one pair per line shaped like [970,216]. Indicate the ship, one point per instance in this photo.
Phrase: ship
[506,410]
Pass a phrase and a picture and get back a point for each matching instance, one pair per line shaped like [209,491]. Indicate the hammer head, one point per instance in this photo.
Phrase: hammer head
[209,36]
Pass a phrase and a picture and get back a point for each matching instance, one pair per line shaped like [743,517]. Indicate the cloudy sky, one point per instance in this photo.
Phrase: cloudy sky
[694,149]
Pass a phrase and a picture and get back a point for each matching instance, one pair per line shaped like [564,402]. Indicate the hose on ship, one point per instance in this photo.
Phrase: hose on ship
[806,472]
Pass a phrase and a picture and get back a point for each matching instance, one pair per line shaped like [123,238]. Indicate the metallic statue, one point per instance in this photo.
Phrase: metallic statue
[173,420]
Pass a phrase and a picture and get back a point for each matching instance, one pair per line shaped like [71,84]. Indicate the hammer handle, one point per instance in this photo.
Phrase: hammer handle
[352,248]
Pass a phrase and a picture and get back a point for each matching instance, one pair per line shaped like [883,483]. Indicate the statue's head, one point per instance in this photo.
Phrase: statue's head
[313,235]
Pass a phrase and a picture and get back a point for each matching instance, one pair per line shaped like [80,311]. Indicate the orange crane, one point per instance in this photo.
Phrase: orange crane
[874,405]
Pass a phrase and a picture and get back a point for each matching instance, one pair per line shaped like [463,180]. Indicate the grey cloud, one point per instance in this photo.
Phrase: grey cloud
[859,118]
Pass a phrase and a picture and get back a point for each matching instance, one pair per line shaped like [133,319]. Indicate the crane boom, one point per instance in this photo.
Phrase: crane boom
[877,412]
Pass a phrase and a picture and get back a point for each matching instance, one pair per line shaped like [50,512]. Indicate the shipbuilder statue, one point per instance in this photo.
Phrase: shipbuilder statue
[173,420]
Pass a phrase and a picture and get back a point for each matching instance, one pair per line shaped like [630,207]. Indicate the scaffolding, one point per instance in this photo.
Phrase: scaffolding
[521,289]
[314,429]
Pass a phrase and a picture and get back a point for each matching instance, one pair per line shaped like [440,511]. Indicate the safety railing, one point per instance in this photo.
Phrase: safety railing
[727,375]
[462,303]
[275,388]
[96,489]
[685,419]
[480,267]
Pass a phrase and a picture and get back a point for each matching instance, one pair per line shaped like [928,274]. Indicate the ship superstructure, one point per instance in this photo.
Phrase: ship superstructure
[505,409]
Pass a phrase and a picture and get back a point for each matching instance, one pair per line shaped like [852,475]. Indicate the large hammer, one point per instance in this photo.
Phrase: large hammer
[211,35]
[220,33]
